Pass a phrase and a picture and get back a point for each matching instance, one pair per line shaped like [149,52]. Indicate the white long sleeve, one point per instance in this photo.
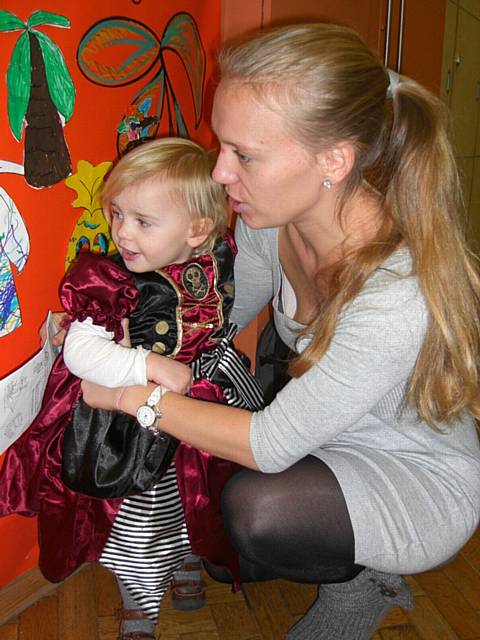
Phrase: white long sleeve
[91,354]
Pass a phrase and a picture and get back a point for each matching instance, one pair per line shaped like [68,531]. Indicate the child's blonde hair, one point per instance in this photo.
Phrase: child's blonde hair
[187,167]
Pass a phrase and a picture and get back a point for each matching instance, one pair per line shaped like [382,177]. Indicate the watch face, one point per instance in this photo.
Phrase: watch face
[146,416]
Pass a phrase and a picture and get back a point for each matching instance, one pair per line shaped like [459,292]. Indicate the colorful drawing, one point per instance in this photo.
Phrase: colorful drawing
[119,51]
[91,231]
[41,97]
[14,248]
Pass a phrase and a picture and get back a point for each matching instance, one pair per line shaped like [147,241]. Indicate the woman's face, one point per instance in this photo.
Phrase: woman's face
[270,177]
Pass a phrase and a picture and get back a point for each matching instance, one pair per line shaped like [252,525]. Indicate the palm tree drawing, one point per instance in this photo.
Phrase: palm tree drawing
[119,51]
[41,97]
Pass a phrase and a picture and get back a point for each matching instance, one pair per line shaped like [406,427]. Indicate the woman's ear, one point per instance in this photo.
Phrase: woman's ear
[337,162]
[199,231]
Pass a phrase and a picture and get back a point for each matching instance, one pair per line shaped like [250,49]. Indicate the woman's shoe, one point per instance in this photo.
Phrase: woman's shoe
[132,614]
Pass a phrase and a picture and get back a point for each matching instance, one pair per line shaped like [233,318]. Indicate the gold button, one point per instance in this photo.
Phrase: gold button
[159,347]
[229,289]
[161,327]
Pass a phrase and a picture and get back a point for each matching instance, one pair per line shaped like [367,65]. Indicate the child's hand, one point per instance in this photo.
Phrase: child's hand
[125,341]
[100,397]
[58,339]
[172,374]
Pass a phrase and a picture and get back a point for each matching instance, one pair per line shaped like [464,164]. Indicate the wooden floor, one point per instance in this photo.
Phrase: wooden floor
[447,607]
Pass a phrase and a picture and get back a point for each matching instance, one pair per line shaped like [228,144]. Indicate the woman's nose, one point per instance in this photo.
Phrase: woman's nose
[222,171]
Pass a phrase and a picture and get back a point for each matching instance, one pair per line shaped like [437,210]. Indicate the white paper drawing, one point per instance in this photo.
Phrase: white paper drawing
[21,392]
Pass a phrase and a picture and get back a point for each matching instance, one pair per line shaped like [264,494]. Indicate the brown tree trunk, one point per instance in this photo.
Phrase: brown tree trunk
[47,160]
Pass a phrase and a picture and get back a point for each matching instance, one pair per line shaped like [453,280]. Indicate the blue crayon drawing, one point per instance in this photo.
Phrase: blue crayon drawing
[14,249]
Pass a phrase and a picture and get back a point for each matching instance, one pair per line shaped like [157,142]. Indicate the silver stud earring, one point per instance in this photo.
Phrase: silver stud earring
[327,183]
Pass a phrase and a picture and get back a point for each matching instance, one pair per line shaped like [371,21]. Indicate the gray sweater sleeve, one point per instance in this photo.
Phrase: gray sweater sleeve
[254,275]
[370,359]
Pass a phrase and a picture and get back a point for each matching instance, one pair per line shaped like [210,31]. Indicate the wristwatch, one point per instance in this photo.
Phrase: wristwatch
[149,413]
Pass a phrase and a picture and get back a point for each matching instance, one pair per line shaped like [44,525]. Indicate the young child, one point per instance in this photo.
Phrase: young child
[173,280]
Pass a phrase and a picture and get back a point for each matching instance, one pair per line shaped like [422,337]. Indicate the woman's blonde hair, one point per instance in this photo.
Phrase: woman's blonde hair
[330,88]
[187,167]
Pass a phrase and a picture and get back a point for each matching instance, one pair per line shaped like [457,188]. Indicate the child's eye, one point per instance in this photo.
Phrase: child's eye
[242,157]
[116,214]
[143,223]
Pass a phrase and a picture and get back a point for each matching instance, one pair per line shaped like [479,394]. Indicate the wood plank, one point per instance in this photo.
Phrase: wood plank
[106,591]
[400,633]
[39,622]
[234,621]
[217,592]
[22,592]
[298,597]
[172,624]
[414,586]
[107,628]
[204,636]
[9,631]
[471,551]
[454,608]
[466,579]
[269,608]
[428,621]
[77,614]
[396,617]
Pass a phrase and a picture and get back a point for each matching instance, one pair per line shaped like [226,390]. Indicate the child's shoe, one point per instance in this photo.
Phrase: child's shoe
[187,586]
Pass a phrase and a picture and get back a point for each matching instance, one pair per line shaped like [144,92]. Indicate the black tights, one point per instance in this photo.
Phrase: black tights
[293,525]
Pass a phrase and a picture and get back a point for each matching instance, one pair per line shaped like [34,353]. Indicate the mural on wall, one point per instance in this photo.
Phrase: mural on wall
[14,248]
[91,231]
[120,51]
[41,97]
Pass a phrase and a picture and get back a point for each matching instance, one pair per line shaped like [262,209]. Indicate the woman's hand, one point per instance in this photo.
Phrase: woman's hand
[216,428]
[170,373]
[126,399]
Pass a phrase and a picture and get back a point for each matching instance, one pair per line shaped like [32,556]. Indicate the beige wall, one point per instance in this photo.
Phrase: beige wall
[461,92]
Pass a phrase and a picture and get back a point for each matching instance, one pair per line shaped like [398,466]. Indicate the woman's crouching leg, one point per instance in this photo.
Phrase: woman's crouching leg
[293,525]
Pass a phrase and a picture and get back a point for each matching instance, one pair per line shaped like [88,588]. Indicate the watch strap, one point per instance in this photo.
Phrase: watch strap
[155,396]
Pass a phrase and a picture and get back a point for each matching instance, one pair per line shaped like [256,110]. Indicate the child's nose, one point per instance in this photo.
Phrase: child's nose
[123,230]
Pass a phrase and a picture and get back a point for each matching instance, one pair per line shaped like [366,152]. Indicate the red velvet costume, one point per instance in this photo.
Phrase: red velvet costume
[181,310]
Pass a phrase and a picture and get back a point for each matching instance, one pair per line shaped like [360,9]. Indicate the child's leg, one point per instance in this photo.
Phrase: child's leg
[133,620]
[148,543]
[187,586]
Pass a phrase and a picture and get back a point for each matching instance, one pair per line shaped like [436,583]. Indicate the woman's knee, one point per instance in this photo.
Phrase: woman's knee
[245,512]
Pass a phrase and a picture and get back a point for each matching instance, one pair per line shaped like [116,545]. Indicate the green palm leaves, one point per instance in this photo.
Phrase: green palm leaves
[39,89]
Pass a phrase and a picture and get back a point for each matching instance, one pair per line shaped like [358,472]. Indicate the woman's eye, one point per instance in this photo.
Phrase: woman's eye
[242,157]
[116,214]
[143,223]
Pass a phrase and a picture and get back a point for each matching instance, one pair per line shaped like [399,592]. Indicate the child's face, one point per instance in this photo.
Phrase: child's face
[150,228]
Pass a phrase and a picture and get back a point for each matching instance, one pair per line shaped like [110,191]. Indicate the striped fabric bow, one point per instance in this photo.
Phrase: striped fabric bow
[225,365]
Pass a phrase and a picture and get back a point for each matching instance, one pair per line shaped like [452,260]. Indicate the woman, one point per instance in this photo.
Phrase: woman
[366,465]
